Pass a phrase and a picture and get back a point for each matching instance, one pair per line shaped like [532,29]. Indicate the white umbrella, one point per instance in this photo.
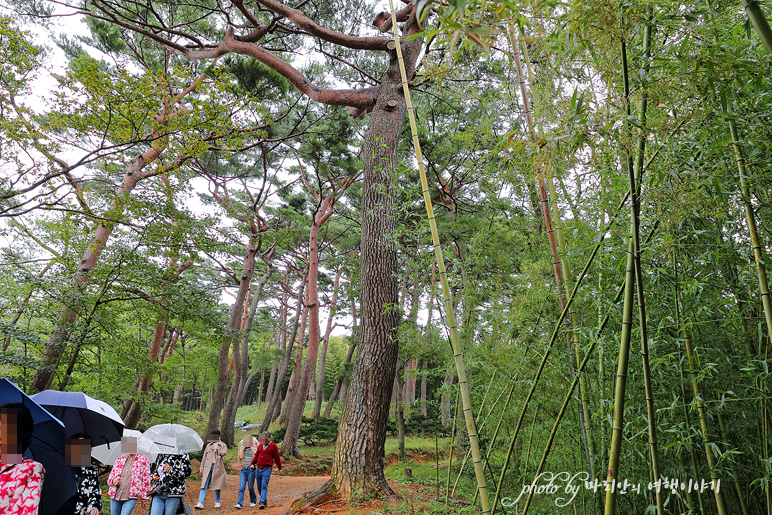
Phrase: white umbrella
[187,439]
[108,453]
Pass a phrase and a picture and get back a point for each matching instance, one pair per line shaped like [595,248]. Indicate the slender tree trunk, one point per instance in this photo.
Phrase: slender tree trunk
[239,385]
[400,410]
[284,366]
[323,357]
[231,338]
[132,411]
[289,446]
[281,336]
[237,375]
[294,381]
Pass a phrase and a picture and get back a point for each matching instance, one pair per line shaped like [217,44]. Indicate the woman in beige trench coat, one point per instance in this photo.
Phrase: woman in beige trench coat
[212,469]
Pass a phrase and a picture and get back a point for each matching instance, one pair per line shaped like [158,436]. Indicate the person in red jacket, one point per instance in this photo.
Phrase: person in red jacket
[262,464]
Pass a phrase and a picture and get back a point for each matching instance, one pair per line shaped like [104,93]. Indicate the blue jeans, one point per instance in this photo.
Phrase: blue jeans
[247,479]
[164,505]
[202,493]
[262,476]
[122,507]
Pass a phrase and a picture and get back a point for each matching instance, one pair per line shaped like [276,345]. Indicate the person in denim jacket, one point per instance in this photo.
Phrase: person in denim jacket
[247,449]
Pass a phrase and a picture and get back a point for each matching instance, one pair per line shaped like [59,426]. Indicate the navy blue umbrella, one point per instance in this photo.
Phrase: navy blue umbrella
[47,448]
[83,414]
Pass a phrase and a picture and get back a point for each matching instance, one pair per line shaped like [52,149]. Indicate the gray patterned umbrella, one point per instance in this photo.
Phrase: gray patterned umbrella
[187,439]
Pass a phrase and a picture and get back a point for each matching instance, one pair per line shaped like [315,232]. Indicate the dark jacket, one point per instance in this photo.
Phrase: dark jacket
[172,482]
[88,495]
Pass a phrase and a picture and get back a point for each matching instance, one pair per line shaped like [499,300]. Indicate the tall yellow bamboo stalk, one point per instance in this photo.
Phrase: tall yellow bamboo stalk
[551,238]
[466,399]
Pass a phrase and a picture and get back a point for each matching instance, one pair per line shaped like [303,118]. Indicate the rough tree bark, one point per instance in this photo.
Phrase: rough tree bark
[358,462]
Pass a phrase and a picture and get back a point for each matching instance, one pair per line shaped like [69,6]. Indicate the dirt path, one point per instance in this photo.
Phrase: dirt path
[282,491]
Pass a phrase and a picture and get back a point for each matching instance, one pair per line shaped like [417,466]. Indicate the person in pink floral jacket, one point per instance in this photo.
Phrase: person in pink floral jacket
[129,480]
[21,480]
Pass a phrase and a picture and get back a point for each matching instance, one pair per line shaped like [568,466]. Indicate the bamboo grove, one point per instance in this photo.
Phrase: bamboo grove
[577,200]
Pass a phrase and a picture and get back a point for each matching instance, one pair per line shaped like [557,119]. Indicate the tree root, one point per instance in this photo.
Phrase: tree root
[314,502]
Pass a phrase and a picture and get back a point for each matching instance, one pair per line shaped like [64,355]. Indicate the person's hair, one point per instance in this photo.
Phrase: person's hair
[24,422]
[215,432]
[79,435]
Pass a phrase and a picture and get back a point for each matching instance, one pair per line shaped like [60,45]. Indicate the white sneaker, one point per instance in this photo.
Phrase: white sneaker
[237,506]
[252,504]
[217,505]
[199,506]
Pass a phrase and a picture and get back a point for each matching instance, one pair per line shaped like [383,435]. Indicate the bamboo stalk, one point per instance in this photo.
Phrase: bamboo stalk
[701,415]
[760,269]
[571,389]
[498,426]
[551,238]
[447,299]
[553,338]
[756,15]
[688,424]
[450,454]
[751,221]
[479,428]
[636,178]
[634,277]
[624,345]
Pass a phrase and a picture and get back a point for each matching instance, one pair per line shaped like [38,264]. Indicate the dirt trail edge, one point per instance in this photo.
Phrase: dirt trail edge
[282,491]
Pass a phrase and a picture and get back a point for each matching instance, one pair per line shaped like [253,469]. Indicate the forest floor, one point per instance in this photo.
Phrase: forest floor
[300,477]
[282,492]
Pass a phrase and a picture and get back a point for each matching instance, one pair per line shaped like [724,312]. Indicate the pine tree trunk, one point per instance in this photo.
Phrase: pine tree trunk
[358,462]
[231,339]
[61,334]
[289,446]
[323,357]
[281,336]
[241,379]
[275,402]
